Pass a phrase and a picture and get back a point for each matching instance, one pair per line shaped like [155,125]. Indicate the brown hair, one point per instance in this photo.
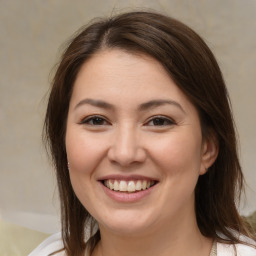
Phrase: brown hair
[192,66]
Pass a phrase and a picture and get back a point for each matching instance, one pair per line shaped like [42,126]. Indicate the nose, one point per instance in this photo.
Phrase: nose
[126,147]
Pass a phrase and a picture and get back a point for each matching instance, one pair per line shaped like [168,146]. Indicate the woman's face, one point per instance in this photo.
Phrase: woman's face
[134,144]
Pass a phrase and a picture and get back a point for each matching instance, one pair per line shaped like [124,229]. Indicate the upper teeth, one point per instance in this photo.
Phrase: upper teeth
[128,186]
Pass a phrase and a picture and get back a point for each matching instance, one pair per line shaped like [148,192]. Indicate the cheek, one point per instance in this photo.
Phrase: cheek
[178,160]
[178,154]
[83,156]
[83,151]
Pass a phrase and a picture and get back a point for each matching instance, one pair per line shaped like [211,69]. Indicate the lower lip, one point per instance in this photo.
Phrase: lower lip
[126,197]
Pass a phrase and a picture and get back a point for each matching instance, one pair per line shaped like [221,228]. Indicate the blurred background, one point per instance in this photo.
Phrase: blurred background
[31,35]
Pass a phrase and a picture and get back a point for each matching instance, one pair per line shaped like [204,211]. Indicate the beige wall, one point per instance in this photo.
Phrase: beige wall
[30,35]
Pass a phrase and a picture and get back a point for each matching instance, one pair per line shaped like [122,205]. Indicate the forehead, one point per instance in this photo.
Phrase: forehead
[120,76]
[116,63]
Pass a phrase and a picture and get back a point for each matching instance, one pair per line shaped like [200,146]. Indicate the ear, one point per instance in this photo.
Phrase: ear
[210,150]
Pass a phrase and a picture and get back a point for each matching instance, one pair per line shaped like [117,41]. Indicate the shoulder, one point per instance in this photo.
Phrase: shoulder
[240,249]
[48,246]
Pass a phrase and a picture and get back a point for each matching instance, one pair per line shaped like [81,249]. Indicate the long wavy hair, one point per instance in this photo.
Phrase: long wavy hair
[192,66]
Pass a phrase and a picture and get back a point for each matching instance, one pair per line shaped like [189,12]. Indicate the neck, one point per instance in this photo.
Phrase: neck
[182,239]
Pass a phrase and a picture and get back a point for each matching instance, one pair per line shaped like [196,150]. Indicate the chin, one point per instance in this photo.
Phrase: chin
[126,229]
[127,225]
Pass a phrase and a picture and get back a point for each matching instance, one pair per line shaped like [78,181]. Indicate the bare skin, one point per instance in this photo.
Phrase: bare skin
[165,243]
[128,119]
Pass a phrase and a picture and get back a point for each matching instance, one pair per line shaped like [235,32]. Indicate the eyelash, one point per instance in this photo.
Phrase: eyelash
[96,118]
[164,121]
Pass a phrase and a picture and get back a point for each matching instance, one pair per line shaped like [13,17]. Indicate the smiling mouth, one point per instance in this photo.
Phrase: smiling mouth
[130,186]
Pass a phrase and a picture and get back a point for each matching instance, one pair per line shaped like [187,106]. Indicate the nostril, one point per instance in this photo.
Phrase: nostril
[126,156]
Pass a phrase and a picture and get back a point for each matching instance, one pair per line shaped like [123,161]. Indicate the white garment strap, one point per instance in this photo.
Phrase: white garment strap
[48,246]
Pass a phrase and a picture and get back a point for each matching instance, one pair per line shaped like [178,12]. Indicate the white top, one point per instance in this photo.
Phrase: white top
[54,243]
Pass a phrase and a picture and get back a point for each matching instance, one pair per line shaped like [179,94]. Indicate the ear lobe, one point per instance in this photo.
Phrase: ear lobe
[210,150]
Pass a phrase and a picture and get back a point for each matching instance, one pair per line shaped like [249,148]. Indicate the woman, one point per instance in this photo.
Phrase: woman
[142,137]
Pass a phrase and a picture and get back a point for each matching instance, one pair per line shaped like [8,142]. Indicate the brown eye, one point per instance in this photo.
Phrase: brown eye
[95,120]
[160,121]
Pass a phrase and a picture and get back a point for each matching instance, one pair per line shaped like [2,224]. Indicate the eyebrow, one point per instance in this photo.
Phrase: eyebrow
[96,103]
[159,102]
[142,107]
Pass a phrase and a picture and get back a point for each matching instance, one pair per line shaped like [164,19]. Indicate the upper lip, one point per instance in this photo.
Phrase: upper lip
[126,177]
